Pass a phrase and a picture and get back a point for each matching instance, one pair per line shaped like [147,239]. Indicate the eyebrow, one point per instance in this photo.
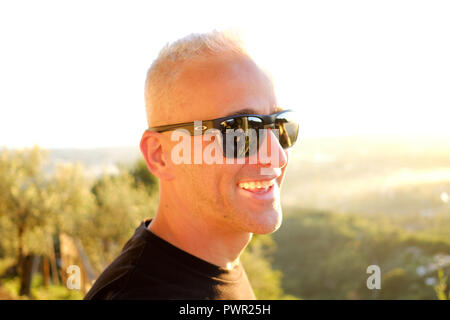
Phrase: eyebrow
[250,111]
[243,111]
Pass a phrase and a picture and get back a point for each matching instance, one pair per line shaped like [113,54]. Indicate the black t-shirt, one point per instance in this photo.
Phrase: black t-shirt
[151,268]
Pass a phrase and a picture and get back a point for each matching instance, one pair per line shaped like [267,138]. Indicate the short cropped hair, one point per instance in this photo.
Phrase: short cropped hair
[161,77]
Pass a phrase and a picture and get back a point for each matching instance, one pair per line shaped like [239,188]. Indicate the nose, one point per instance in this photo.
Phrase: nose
[270,153]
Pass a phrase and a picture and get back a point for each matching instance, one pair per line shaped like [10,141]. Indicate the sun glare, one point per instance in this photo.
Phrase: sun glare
[73,77]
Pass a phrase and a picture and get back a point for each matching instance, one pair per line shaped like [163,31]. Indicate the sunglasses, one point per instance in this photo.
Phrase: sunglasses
[242,135]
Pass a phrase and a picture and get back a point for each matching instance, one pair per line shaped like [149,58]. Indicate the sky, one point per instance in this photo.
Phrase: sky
[72,72]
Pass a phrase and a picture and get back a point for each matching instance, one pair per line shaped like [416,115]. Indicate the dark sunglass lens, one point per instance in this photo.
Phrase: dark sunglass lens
[240,136]
[287,125]
[255,135]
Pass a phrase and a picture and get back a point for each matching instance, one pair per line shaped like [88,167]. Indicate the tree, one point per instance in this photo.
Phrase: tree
[72,201]
[24,197]
[265,281]
[120,206]
[143,177]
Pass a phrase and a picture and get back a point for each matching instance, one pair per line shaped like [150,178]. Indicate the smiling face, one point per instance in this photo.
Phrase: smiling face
[236,197]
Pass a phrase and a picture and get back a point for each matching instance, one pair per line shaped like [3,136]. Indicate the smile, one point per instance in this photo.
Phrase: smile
[257,186]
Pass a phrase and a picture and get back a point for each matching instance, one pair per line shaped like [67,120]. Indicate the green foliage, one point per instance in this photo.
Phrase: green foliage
[6,263]
[265,281]
[120,206]
[442,286]
[34,205]
[8,243]
[143,177]
[324,255]
[24,194]
[395,283]
[72,202]
[38,292]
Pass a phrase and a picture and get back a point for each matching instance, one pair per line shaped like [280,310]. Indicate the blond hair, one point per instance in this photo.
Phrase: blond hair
[160,87]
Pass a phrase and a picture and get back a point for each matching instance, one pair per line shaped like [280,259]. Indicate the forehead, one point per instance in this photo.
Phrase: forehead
[216,87]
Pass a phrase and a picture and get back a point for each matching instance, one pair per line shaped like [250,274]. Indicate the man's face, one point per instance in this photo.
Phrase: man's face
[214,88]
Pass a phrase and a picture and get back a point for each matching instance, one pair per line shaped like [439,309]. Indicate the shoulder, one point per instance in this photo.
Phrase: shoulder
[115,277]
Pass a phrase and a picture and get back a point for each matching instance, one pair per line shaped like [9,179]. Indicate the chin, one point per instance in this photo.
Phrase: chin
[268,223]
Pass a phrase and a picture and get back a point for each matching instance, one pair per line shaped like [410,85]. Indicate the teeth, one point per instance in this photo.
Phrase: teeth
[256,184]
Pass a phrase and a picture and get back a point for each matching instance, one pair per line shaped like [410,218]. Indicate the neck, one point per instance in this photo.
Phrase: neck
[207,240]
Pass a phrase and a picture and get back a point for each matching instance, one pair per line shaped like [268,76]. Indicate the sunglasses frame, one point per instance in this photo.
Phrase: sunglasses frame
[268,122]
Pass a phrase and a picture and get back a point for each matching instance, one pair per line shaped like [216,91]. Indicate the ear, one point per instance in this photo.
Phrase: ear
[152,149]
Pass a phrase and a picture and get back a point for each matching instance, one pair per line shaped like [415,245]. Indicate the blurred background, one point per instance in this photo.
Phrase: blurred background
[368,183]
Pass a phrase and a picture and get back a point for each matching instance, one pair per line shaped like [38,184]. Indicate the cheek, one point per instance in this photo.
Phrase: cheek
[203,180]
[229,177]
[217,181]
[207,181]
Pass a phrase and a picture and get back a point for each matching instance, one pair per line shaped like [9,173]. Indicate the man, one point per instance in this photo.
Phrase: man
[207,211]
